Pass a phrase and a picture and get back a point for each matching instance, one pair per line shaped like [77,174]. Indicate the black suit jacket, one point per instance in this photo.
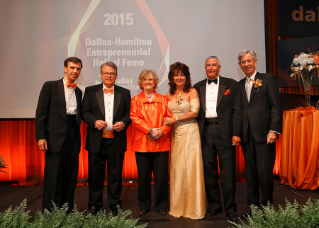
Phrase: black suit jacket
[93,110]
[51,117]
[263,112]
[228,109]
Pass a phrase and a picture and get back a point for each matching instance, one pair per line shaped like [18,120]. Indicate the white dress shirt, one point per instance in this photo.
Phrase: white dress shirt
[70,99]
[251,79]
[211,99]
[108,105]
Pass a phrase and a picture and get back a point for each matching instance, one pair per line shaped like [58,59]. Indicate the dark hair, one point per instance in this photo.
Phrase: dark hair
[72,60]
[184,69]
[110,64]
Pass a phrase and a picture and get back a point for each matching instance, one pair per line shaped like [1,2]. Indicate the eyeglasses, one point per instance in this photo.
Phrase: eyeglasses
[109,74]
[148,79]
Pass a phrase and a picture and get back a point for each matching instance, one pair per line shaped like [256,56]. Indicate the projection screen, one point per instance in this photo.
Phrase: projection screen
[36,37]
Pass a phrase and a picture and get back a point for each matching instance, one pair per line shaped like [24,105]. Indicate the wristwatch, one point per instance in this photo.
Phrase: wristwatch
[177,120]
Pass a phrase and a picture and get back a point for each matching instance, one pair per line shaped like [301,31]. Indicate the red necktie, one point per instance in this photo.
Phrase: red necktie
[108,91]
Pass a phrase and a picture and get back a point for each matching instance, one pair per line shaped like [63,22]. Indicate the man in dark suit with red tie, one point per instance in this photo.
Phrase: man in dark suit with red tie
[106,111]
[262,121]
[219,123]
[57,124]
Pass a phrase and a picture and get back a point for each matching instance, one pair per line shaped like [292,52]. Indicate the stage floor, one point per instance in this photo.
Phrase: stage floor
[13,195]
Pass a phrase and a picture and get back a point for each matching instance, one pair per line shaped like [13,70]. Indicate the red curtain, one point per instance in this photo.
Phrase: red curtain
[25,161]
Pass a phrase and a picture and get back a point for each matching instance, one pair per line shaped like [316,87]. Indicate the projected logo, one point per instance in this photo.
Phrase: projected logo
[125,38]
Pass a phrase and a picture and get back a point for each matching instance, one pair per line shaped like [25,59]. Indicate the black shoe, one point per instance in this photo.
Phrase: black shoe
[232,216]
[162,212]
[94,210]
[213,213]
[115,211]
[143,212]
[246,213]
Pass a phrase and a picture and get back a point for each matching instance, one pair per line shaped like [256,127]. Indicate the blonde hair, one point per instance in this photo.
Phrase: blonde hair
[145,73]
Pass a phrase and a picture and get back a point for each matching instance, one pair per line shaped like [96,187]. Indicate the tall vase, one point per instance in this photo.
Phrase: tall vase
[306,79]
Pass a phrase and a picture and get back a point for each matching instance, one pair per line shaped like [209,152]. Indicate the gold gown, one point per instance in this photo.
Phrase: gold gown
[187,187]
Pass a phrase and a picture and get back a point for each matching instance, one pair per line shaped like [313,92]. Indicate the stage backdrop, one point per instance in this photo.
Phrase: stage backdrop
[36,36]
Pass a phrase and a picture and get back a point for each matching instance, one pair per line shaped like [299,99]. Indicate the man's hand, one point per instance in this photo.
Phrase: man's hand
[271,137]
[100,124]
[236,140]
[118,126]
[43,145]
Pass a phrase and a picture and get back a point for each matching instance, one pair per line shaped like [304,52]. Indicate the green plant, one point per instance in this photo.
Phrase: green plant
[59,217]
[291,216]
[18,217]
[2,165]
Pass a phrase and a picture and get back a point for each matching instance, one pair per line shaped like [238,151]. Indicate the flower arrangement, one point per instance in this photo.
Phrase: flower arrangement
[304,64]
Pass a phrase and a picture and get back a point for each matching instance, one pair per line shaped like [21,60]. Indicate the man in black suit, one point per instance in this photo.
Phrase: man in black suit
[262,121]
[57,124]
[219,123]
[106,111]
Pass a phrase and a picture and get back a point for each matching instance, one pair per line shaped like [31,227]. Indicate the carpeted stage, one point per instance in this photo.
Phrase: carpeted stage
[13,195]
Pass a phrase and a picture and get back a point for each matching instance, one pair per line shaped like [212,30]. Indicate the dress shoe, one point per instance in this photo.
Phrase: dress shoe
[143,212]
[246,213]
[232,216]
[115,211]
[162,212]
[94,210]
[213,213]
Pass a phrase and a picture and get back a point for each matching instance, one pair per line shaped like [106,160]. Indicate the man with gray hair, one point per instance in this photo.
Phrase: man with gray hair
[106,111]
[219,122]
[262,121]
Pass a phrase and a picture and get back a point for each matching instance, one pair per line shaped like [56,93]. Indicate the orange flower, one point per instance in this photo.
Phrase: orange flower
[227,92]
[316,59]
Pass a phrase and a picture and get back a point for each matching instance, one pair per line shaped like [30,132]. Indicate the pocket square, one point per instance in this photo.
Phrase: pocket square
[227,92]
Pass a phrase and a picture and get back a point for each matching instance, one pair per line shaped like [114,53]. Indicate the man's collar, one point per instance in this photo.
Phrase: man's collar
[253,76]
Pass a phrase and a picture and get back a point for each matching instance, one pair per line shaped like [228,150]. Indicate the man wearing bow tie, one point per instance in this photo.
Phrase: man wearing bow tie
[262,121]
[106,111]
[57,124]
[219,123]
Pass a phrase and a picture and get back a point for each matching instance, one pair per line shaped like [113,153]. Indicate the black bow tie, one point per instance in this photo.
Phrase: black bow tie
[214,80]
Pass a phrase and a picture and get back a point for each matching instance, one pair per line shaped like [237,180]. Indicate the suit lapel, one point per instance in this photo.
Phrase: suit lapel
[117,99]
[221,90]
[253,90]
[61,98]
[78,102]
[202,95]
[100,98]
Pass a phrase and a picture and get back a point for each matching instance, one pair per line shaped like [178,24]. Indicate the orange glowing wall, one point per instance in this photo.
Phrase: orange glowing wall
[25,161]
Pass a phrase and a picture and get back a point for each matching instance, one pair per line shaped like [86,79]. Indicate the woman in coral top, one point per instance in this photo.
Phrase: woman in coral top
[151,142]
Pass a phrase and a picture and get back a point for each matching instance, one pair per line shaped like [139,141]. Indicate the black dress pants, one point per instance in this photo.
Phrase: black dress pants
[158,163]
[259,163]
[114,161]
[61,172]
[213,146]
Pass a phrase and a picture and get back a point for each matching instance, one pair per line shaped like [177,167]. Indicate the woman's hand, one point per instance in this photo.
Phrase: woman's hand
[155,134]
[169,120]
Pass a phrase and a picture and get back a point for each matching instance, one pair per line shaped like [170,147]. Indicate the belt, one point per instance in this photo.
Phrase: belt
[211,122]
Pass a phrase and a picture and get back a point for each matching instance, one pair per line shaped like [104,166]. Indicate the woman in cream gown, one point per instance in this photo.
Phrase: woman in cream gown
[187,189]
